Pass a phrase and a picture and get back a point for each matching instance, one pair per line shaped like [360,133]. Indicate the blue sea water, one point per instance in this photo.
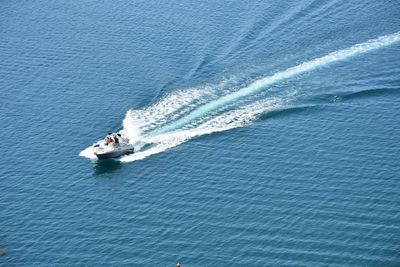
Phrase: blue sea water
[275,132]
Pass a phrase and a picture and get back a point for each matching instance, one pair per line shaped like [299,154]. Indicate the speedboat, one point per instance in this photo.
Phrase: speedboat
[114,145]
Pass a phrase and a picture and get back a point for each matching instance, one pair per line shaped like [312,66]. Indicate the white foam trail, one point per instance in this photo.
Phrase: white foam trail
[226,121]
[88,153]
[159,113]
[173,106]
[139,121]
[131,129]
[151,124]
[282,75]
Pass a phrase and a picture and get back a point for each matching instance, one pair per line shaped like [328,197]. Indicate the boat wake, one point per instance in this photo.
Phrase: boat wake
[186,114]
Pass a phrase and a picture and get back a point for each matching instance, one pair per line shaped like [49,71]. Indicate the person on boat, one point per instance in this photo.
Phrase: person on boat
[109,140]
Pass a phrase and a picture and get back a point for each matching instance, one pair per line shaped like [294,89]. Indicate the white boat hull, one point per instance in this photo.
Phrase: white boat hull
[114,153]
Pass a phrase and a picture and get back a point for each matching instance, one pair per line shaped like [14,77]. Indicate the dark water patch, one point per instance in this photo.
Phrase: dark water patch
[3,251]
[199,68]
[287,111]
[370,93]
[106,166]
[346,95]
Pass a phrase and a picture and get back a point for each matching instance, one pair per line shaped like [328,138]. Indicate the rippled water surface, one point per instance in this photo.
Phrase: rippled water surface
[274,132]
